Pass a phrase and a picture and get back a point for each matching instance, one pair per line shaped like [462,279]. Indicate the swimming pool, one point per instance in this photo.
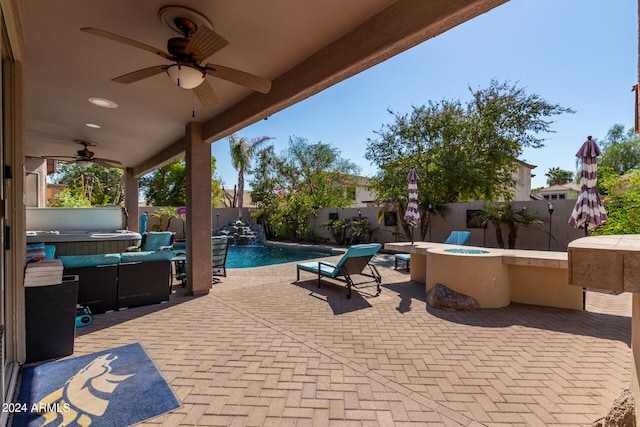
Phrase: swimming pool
[245,256]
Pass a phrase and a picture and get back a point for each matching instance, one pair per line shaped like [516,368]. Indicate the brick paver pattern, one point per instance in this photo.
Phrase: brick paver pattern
[262,350]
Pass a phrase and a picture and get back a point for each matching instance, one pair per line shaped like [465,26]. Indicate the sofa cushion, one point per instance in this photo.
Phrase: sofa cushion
[156,239]
[78,261]
[145,256]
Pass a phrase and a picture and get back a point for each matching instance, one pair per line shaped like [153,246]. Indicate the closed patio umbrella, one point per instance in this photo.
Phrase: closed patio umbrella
[588,212]
[412,215]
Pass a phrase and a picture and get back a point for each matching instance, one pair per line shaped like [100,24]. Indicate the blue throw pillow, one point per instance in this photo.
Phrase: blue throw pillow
[49,251]
[35,251]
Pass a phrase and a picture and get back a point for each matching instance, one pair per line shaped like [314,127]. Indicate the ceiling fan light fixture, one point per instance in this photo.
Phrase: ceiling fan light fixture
[185,76]
[84,164]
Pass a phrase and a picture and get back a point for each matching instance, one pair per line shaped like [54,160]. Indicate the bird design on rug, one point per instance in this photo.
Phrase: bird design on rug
[78,396]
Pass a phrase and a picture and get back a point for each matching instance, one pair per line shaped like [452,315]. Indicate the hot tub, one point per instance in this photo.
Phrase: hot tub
[86,242]
[478,273]
[81,231]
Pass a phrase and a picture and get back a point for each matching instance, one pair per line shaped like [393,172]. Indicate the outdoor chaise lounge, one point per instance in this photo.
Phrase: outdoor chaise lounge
[354,262]
[455,238]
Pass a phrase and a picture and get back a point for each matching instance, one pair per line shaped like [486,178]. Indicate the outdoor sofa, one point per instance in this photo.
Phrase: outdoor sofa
[110,282]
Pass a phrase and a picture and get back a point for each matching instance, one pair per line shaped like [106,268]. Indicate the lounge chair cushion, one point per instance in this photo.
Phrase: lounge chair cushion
[366,249]
[458,237]
[403,257]
[326,268]
[79,261]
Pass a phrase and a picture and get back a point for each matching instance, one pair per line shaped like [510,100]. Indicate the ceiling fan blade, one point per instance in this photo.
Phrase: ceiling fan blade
[241,78]
[204,43]
[107,162]
[205,94]
[61,158]
[127,41]
[140,74]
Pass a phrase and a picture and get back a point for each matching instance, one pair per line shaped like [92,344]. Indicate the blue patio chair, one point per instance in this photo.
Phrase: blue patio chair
[354,262]
[458,238]
[154,241]
[219,250]
[455,238]
[403,257]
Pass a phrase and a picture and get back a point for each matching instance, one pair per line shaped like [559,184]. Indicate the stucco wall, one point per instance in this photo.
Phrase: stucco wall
[455,218]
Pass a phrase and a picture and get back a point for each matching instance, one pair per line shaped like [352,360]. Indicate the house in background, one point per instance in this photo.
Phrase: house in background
[566,191]
[522,178]
[361,193]
[230,194]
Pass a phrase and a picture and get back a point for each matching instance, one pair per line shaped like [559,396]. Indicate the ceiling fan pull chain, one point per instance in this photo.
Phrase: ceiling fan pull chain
[193,105]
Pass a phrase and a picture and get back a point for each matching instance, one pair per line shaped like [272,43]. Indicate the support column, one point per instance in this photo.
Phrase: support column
[131,199]
[199,223]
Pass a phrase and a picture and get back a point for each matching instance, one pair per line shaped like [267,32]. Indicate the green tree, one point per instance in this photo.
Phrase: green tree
[291,187]
[620,150]
[557,176]
[67,199]
[513,218]
[97,184]
[622,203]
[460,151]
[165,212]
[167,185]
[242,151]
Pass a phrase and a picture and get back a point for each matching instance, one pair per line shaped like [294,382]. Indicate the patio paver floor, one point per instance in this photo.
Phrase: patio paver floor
[260,350]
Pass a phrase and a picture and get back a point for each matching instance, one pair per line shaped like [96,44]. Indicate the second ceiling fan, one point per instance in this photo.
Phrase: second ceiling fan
[186,53]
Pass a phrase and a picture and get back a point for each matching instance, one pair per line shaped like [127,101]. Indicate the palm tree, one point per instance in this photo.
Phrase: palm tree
[242,151]
[513,218]
[558,176]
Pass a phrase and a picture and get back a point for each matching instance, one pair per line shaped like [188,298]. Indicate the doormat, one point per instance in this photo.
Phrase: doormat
[116,387]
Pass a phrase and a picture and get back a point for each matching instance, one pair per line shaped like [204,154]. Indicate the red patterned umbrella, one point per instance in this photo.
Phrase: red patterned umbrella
[589,212]
[412,215]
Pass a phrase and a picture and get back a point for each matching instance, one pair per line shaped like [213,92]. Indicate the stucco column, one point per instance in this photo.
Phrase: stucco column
[198,227]
[131,199]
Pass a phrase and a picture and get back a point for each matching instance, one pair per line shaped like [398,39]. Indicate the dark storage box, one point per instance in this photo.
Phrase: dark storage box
[51,319]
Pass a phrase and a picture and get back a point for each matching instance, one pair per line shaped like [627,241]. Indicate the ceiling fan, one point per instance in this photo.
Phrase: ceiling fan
[85,157]
[186,53]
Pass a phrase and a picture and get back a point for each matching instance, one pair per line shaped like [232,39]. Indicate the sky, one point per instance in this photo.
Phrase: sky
[581,54]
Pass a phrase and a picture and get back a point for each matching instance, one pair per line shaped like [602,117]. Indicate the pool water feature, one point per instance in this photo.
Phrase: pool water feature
[245,256]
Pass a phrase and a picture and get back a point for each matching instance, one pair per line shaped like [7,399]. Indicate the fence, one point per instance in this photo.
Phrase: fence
[554,235]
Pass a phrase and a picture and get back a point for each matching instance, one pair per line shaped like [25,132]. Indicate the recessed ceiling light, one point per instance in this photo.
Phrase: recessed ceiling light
[101,102]
[93,125]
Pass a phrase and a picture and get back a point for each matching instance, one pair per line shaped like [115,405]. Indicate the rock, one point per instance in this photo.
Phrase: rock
[622,413]
[442,297]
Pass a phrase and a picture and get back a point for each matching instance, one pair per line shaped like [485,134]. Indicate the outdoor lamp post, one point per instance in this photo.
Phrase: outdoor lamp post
[359,215]
[429,210]
[217,220]
[551,208]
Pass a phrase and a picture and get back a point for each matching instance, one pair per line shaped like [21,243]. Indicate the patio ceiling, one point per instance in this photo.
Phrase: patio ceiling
[303,47]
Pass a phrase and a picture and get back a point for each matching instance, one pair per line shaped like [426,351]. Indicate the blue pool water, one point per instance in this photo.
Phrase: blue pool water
[241,256]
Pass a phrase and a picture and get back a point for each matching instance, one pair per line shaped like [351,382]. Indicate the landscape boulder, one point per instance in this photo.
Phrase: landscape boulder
[447,299]
[622,413]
